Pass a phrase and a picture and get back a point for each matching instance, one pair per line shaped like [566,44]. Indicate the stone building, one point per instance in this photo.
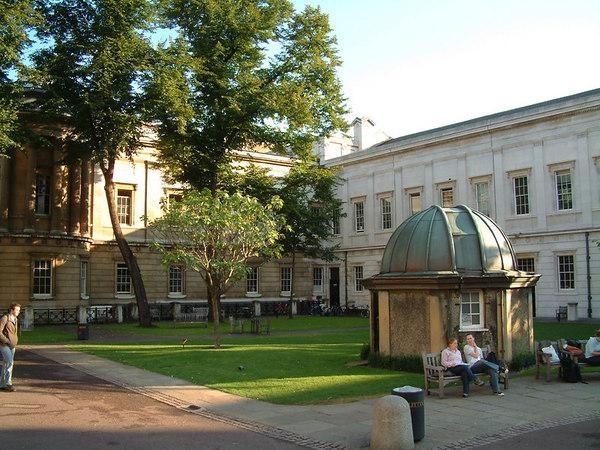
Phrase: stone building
[56,241]
[534,170]
[449,272]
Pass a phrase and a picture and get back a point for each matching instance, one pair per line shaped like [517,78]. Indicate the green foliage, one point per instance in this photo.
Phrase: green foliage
[16,18]
[89,70]
[410,363]
[241,75]
[215,233]
[522,361]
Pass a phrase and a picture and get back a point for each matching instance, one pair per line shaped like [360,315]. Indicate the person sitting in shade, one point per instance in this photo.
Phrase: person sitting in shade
[592,350]
[474,357]
[452,361]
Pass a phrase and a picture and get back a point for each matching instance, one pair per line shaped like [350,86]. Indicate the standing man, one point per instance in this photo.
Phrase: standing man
[8,343]
[475,360]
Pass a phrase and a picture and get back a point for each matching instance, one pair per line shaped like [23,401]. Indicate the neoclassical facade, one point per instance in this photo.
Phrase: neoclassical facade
[56,242]
[534,170]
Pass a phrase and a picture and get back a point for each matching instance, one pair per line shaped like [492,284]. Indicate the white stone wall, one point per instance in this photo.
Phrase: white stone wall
[533,141]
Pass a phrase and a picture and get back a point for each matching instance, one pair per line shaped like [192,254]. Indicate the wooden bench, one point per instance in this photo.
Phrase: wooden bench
[543,359]
[198,315]
[434,372]
[577,359]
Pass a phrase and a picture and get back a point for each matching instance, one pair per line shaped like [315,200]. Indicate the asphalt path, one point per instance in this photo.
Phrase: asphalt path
[58,407]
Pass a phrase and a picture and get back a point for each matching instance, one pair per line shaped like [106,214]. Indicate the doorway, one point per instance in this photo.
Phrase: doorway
[334,286]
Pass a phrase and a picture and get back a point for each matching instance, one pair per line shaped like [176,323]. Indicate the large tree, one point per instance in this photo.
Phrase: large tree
[242,74]
[215,234]
[16,16]
[89,72]
[310,207]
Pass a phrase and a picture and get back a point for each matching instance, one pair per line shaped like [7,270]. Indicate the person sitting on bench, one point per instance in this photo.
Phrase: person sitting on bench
[592,350]
[452,361]
[475,360]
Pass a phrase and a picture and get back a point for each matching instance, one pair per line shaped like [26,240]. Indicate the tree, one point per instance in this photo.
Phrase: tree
[310,207]
[16,16]
[215,234]
[242,74]
[89,72]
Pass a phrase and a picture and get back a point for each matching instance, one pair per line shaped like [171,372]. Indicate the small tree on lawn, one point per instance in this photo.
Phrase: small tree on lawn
[309,206]
[215,234]
[89,72]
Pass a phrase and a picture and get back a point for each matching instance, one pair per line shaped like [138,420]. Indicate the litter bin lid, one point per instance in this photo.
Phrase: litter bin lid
[407,389]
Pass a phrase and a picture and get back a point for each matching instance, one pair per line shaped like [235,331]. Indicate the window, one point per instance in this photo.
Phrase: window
[335,223]
[123,285]
[252,280]
[359,216]
[358,279]
[564,197]
[124,206]
[415,202]
[566,272]
[83,279]
[176,274]
[317,279]
[42,194]
[526,264]
[42,277]
[521,191]
[385,205]
[482,197]
[447,197]
[471,310]
[286,279]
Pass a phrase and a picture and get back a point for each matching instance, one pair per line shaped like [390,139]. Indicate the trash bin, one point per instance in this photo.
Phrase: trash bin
[83,331]
[416,400]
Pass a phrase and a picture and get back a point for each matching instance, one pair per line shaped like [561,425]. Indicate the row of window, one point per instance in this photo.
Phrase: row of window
[43,280]
[521,204]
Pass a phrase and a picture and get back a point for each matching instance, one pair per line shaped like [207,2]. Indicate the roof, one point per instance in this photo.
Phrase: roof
[451,241]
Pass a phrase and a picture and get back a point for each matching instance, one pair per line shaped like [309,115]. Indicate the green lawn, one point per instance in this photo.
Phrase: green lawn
[295,368]
[303,361]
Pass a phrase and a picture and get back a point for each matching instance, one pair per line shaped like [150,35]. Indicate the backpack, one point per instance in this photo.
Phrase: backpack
[569,370]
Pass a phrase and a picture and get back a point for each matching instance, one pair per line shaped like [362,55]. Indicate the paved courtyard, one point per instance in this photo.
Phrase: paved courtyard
[453,422]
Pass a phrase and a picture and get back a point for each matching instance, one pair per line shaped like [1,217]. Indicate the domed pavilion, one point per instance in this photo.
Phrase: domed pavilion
[448,272]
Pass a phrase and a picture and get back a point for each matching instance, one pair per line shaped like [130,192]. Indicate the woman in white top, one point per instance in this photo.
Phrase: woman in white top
[475,360]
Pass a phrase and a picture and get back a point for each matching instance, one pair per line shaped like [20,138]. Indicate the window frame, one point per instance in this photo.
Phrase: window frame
[42,295]
[359,220]
[256,270]
[481,313]
[482,181]
[318,288]
[122,265]
[283,279]
[515,195]
[358,280]
[526,258]
[47,195]
[444,190]
[182,272]
[573,272]
[131,190]
[383,213]
[414,193]
[557,204]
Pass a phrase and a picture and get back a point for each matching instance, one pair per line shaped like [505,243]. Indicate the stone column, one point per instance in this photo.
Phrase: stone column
[84,209]
[75,198]
[5,164]
[29,209]
[58,224]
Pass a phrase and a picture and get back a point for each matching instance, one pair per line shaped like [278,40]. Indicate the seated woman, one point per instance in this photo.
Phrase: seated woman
[475,360]
[452,361]
[592,350]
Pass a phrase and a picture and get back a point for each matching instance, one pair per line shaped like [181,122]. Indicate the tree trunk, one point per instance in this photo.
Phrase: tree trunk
[292,281]
[213,298]
[128,256]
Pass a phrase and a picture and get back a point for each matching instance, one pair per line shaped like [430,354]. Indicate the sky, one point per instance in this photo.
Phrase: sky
[415,65]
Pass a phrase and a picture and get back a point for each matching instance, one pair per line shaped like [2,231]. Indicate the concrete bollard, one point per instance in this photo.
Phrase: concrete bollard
[392,427]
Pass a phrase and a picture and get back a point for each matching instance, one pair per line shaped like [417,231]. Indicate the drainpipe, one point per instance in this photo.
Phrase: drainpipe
[588,276]
[346,279]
